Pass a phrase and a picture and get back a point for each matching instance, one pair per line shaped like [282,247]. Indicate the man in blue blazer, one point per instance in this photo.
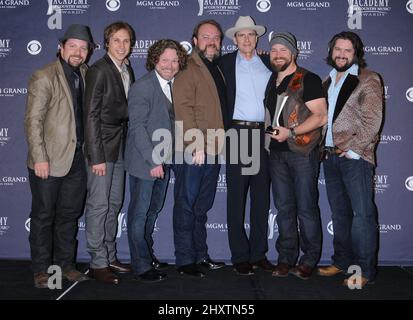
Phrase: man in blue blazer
[151,115]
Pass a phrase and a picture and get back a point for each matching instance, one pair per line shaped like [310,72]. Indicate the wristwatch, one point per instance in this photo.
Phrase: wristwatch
[291,134]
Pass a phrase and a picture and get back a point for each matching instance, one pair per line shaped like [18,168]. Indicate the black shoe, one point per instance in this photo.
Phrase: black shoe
[211,264]
[159,265]
[191,270]
[263,264]
[151,275]
[244,269]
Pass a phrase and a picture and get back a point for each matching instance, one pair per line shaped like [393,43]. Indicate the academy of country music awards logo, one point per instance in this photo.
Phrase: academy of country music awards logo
[158,4]
[4,136]
[140,49]
[13,4]
[221,7]
[373,8]
[3,225]
[308,5]
[5,48]
[304,47]
[381,183]
[222,183]
[69,6]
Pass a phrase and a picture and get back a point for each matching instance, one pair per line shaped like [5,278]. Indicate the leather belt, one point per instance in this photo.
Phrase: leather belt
[327,151]
[254,124]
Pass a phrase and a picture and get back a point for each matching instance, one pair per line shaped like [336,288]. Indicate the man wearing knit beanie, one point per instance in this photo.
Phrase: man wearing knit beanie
[297,108]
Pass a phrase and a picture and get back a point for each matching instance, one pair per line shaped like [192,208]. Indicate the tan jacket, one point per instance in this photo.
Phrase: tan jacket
[196,103]
[49,123]
[358,114]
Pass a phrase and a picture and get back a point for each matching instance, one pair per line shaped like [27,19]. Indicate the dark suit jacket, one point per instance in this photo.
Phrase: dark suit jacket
[105,111]
[227,65]
[148,111]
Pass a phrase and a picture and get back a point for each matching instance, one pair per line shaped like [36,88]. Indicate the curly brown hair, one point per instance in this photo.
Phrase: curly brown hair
[155,51]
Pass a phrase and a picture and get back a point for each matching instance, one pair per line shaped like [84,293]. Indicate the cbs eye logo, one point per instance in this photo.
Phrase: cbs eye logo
[34,47]
[264,5]
[187,46]
[113,5]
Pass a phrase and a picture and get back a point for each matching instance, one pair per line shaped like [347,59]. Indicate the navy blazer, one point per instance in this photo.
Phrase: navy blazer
[227,65]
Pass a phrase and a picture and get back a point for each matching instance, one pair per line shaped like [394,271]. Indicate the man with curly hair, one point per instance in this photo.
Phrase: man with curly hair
[150,113]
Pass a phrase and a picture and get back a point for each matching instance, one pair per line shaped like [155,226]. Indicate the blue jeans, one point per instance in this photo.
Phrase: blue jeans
[146,201]
[294,184]
[195,188]
[349,186]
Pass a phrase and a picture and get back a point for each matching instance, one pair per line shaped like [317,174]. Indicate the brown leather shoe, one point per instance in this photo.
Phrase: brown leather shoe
[302,271]
[263,264]
[243,269]
[41,280]
[119,267]
[353,282]
[104,275]
[328,271]
[281,270]
[73,275]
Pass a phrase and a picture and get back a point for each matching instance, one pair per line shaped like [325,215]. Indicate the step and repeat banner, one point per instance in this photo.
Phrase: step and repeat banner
[29,32]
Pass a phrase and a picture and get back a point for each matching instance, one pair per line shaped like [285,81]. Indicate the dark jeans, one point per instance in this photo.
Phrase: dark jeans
[57,204]
[294,182]
[195,188]
[254,247]
[350,192]
[146,201]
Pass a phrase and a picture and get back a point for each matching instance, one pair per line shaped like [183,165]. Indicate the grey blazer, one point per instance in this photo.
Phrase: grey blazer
[148,111]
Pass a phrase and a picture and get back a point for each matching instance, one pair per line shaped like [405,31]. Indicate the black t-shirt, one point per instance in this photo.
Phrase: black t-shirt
[312,90]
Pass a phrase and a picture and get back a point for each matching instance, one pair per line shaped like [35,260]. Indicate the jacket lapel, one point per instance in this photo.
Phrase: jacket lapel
[63,82]
[116,75]
[347,89]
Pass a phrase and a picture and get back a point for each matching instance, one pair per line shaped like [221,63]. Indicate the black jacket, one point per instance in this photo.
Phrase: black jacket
[105,111]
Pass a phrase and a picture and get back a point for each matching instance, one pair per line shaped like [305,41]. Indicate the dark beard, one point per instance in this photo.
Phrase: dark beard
[282,68]
[344,68]
[202,53]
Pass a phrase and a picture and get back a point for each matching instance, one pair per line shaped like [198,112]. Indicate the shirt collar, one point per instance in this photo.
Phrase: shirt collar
[240,57]
[162,81]
[354,69]
[123,66]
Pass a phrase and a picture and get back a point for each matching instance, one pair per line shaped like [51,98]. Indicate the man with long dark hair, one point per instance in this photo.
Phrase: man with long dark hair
[355,106]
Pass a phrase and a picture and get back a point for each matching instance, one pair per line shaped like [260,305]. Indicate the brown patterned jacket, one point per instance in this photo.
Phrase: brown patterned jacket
[358,114]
